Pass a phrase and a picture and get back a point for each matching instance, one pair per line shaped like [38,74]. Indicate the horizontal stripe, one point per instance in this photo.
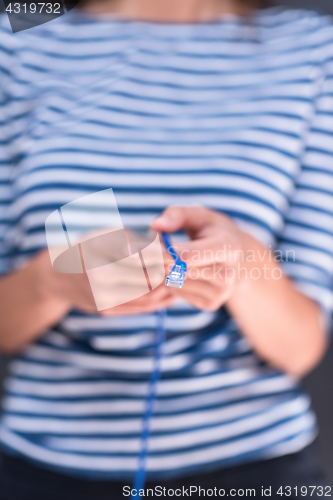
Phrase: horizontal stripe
[181,460]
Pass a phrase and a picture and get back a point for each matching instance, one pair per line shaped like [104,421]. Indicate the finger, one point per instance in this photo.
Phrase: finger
[114,246]
[208,251]
[121,275]
[151,260]
[192,219]
[199,287]
[160,293]
[125,310]
[203,301]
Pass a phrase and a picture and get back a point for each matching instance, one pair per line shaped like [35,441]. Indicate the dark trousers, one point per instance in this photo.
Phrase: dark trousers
[296,476]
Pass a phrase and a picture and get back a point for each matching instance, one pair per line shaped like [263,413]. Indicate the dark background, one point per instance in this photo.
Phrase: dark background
[320,382]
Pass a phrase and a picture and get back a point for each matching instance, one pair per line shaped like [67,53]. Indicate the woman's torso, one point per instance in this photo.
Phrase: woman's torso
[214,115]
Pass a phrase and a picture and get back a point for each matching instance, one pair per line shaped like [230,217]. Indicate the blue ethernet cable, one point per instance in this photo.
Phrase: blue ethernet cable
[140,477]
[176,278]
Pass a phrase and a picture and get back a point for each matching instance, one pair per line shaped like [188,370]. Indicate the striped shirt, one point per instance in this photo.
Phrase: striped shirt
[235,115]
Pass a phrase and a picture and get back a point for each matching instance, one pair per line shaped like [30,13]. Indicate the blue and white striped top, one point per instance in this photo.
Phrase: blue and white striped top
[235,115]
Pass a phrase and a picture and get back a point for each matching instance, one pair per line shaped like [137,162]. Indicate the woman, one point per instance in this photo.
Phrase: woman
[219,116]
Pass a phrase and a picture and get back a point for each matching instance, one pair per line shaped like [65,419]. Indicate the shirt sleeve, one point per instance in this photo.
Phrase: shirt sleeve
[306,242]
[6,140]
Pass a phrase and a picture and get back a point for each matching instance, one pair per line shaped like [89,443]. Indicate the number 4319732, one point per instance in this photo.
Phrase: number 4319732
[305,491]
[32,8]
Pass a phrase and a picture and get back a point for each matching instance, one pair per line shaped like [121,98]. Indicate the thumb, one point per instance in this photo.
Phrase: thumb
[192,219]
[171,220]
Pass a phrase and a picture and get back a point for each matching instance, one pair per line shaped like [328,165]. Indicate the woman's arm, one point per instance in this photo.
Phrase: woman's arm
[27,308]
[283,325]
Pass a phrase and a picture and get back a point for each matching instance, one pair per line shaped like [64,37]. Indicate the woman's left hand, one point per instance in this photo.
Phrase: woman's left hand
[284,326]
[212,255]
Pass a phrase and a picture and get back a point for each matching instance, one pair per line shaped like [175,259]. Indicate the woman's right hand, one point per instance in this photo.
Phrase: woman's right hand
[74,290]
[36,297]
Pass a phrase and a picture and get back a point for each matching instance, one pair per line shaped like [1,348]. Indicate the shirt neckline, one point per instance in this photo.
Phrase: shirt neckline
[223,19]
